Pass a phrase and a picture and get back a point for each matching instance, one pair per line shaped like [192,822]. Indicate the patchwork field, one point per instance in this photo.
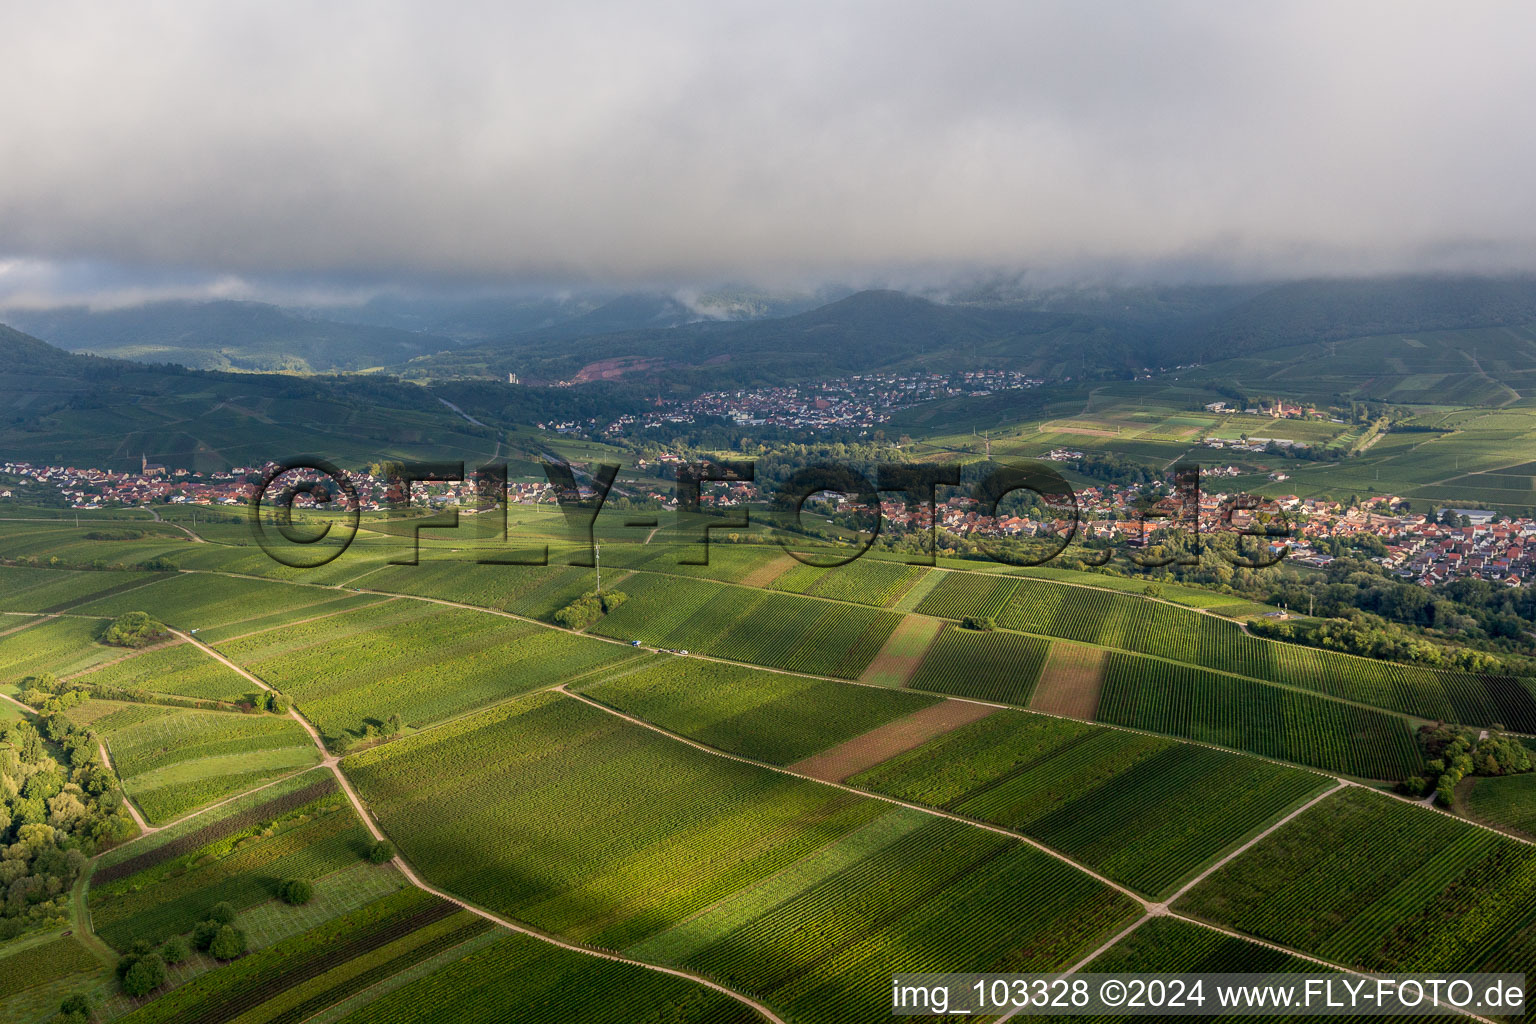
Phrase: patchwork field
[1288,725]
[173,760]
[767,716]
[422,661]
[1341,881]
[1117,801]
[984,665]
[1129,623]
[1071,682]
[631,835]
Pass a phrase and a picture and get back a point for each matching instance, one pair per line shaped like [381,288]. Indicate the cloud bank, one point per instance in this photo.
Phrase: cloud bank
[619,142]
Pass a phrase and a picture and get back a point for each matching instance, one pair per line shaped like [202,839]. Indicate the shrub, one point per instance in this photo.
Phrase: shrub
[175,950]
[75,1009]
[380,853]
[134,629]
[228,944]
[204,934]
[296,892]
[981,622]
[145,975]
[223,913]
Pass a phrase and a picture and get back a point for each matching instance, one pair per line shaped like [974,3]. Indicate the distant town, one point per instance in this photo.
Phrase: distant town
[1424,547]
[862,401]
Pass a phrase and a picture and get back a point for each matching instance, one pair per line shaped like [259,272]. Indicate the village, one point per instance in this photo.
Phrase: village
[862,401]
[1423,547]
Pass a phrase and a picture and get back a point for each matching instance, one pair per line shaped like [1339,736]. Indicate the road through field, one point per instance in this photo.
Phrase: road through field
[1150,909]
[330,761]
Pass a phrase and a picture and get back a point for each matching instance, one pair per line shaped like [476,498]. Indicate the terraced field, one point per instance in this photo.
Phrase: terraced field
[1378,884]
[1288,725]
[629,835]
[422,661]
[1116,801]
[767,716]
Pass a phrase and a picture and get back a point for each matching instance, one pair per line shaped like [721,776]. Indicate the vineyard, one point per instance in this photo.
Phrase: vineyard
[758,627]
[286,617]
[295,978]
[623,834]
[911,893]
[180,670]
[1117,801]
[422,661]
[1144,693]
[205,601]
[61,646]
[1130,623]
[268,804]
[522,979]
[50,590]
[986,665]
[242,867]
[767,716]
[1508,802]
[42,963]
[866,581]
[1371,882]
[1166,945]
[959,594]
[534,591]
[173,760]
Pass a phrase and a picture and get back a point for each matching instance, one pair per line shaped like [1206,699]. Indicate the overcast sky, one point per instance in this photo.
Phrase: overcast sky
[202,147]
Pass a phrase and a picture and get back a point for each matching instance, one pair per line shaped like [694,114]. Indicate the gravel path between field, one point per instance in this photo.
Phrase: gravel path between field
[145,828]
[38,621]
[1298,812]
[331,762]
[1150,908]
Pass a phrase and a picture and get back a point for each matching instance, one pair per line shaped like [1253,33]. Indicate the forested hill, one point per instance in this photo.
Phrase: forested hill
[1333,310]
[867,331]
[63,409]
[226,336]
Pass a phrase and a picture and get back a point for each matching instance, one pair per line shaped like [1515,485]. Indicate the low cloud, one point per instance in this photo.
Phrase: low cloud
[207,146]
